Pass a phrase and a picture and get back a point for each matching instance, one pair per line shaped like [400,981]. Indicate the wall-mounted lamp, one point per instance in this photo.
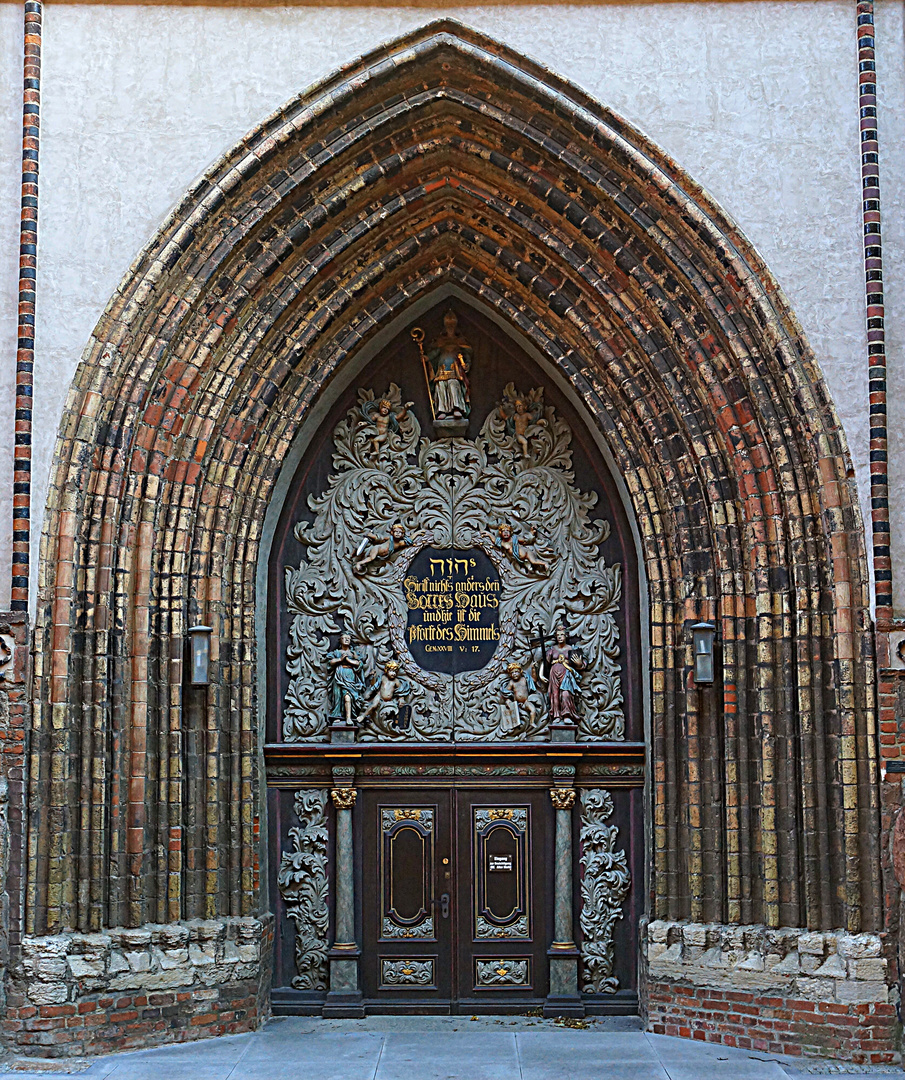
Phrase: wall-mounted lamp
[702,636]
[200,654]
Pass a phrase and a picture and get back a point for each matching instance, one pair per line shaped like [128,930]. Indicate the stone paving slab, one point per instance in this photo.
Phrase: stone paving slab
[441,1048]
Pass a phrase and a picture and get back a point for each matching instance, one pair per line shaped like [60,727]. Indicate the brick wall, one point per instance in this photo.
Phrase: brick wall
[74,994]
[863,1033]
[782,991]
[104,1023]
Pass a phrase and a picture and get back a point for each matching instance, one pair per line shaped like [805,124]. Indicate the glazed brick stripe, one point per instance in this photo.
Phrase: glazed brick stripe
[876,332]
[447,159]
[863,1034]
[25,345]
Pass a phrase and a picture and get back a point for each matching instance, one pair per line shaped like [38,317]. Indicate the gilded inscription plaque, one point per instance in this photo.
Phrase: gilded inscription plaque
[453,601]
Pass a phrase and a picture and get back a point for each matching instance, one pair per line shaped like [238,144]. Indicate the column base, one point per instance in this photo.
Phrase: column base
[571,1007]
[343,1005]
[344,1001]
[564,998]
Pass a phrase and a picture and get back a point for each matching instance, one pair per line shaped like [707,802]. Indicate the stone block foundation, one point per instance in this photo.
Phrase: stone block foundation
[75,994]
[783,991]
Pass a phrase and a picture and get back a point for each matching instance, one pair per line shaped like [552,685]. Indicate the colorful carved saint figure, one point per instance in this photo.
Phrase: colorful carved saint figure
[520,549]
[375,547]
[520,414]
[517,691]
[384,702]
[564,666]
[385,418]
[449,362]
[347,682]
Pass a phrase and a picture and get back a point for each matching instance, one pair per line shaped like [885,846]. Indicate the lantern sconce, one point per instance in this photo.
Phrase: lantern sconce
[702,638]
[200,654]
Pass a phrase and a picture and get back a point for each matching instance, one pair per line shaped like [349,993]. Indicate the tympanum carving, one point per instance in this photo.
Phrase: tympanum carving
[509,498]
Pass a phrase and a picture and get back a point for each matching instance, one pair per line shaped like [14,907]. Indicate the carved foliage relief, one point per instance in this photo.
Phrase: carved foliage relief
[605,883]
[302,881]
[393,493]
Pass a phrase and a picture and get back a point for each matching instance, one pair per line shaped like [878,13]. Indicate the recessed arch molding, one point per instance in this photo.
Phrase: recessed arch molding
[446,158]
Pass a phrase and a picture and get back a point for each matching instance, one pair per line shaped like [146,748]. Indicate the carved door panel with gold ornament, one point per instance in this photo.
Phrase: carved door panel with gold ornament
[453,900]
[505,859]
[406,911]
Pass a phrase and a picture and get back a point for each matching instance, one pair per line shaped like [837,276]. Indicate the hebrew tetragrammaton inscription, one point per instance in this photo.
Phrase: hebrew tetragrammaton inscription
[453,601]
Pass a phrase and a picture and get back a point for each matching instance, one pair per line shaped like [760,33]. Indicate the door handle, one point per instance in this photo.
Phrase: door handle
[444,905]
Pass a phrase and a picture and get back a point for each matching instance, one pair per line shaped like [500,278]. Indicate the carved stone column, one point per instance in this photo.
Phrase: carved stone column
[563,998]
[344,998]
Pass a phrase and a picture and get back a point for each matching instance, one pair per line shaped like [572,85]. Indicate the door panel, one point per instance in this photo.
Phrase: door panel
[406,928]
[500,849]
[504,926]
[454,914]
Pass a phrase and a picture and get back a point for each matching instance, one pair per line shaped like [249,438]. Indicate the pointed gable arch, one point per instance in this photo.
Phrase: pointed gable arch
[445,157]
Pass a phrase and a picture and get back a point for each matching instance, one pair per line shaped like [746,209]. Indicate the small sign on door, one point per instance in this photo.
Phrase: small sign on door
[500,862]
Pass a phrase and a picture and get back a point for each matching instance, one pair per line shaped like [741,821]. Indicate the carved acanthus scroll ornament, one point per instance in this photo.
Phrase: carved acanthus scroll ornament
[604,886]
[391,494]
[302,881]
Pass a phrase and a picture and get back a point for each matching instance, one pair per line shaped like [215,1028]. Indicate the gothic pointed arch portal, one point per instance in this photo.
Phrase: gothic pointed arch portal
[446,159]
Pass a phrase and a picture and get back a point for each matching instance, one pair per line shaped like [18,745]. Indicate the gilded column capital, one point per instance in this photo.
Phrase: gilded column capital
[562,798]
[343,798]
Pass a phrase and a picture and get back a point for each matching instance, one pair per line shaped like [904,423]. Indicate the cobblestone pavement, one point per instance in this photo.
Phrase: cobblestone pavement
[443,1048]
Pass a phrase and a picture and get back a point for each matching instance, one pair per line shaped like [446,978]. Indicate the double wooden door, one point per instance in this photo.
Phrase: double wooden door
[456,899]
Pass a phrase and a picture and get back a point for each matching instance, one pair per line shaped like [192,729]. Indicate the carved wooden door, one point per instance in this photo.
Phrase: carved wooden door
[453,900]
[407,931]
[443,591]
[504,858]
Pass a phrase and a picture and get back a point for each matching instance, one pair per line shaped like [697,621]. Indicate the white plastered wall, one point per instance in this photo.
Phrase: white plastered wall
[757,100]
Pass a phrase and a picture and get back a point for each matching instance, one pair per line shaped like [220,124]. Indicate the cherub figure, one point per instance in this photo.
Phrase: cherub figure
[387,692]
[375,547]
[385,418]
[517,691]
[520,413]
[520,549]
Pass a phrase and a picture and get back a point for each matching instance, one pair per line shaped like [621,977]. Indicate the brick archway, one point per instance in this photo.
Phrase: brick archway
[445,157]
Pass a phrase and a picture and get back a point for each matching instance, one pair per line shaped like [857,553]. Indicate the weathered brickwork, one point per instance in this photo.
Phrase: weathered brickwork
[444,161]
[15,673]
[73,994]
[865,1033]
[783,991]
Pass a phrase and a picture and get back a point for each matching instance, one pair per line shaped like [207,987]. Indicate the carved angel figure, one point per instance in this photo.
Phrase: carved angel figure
[384,417]
[517,691]
[521,413]
[375,547]
[384,702]
[520,548]
[347,683]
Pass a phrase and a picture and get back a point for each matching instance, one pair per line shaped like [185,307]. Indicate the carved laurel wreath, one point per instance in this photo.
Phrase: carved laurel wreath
[452,493]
